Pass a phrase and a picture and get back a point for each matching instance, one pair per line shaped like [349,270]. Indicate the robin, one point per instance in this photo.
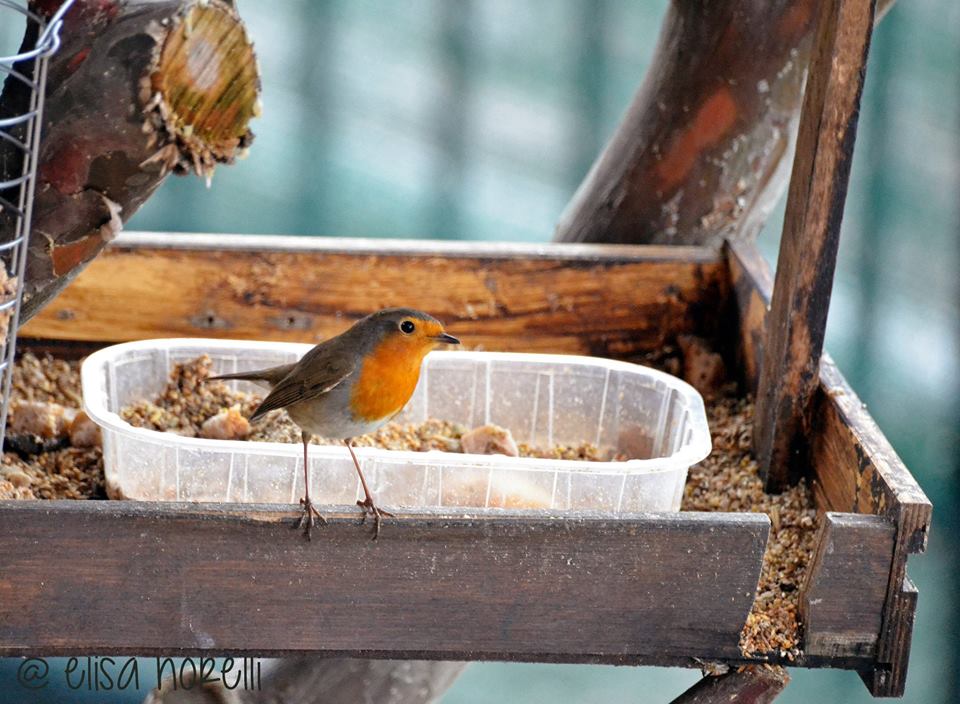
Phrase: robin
[350,385]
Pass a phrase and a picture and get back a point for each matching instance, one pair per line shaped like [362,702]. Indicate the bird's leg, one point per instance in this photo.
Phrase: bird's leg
[367,504]
[307,518]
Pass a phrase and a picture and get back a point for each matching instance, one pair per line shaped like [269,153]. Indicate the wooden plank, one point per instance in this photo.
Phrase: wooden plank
[234,578]
[752,285]
[856,467]
[858,470]
[842,598]
[889,680]
[605,300]
[811,234]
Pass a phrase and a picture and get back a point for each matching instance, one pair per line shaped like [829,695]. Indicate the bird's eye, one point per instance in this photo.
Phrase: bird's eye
[407,327]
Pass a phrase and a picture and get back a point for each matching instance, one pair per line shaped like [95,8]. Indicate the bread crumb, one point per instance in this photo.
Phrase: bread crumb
[84,432]
[228,424]
[489,440]
[40,418]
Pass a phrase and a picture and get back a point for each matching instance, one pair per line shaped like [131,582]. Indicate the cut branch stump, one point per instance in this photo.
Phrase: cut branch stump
[137,90]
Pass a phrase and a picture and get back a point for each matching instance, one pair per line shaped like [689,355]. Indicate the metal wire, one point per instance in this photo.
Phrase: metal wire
[30,122]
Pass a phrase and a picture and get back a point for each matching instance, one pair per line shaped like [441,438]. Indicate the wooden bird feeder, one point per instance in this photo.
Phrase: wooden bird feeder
[651,589]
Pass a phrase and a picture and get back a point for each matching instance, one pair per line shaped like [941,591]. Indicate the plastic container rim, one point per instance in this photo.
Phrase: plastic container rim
[95,405]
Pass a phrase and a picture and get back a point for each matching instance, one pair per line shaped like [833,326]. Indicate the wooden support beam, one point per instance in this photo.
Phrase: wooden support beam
[702,152]
[811,234]
[749,685]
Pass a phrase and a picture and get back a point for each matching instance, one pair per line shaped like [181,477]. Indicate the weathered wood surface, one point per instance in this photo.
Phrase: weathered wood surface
[858,470]
[842,598]
[232,578]
[811,235]
[889,680]
[750,685]
[602,300]
[703,152]
[853,467]
[752,285]
[138,88]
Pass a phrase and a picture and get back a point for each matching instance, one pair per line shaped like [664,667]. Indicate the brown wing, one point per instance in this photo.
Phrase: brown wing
[314,375]
[273,375]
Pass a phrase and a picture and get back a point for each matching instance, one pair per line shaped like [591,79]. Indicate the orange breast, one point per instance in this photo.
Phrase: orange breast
[387,379]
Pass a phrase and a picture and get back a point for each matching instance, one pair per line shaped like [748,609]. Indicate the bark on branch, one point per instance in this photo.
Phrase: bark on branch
[138,89]
[704,150]
[750,685]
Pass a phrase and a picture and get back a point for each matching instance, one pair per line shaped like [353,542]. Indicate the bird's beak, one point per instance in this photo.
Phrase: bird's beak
[445,338]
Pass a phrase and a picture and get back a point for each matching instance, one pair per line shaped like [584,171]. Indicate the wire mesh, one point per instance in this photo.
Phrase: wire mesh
[24,85]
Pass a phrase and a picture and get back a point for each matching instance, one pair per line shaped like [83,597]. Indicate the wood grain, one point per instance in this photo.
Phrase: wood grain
[811,234]
[601,300]
[858,470]
[752,285]
[843,595]
[126,577]
[853,467]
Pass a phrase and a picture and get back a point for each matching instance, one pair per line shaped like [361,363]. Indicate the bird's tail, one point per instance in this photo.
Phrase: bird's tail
[270,376]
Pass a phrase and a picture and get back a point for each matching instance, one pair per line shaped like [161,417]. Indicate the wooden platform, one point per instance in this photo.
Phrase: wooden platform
[667,589]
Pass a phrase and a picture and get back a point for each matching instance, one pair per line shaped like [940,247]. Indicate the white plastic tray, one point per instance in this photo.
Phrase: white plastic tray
[542,399]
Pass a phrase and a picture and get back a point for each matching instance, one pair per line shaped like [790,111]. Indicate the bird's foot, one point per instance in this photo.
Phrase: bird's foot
[377,513]
[308,517]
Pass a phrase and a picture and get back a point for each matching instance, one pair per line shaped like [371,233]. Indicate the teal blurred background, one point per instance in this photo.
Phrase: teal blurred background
[477,119]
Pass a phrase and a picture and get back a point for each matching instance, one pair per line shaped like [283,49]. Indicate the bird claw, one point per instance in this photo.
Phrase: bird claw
[368,507]
[308,518]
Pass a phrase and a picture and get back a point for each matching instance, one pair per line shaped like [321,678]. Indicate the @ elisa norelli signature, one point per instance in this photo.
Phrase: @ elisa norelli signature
[104,673]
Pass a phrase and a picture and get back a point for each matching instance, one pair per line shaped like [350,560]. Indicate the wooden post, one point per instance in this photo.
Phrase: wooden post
[811,233]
